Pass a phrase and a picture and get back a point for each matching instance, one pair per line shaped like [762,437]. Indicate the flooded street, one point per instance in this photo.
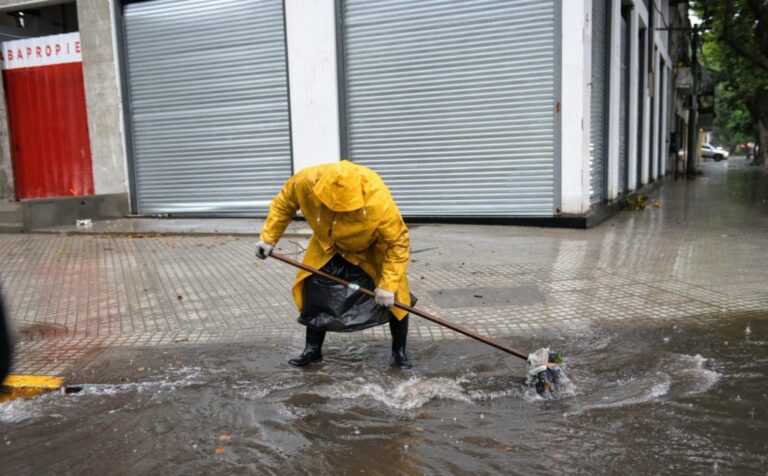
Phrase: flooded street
[672,398]
[181,347]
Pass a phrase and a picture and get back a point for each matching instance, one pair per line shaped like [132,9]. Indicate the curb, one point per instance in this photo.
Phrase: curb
[26,386]
[161,234]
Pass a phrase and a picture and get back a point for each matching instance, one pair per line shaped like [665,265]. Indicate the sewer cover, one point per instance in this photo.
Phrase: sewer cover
[487,297]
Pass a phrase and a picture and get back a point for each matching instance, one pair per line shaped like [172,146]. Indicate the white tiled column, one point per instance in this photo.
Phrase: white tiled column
[313,80]
[614,97]
[654,155]
[634,74]
[575,107]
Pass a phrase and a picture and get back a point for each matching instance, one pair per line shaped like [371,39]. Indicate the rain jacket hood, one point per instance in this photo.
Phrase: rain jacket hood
[352,213]
[340,187]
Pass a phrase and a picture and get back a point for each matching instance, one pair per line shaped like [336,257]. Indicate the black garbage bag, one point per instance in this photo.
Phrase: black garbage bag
[330,306]
[5,343]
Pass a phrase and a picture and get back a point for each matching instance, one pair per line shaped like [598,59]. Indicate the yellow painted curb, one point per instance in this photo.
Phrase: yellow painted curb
[24,386]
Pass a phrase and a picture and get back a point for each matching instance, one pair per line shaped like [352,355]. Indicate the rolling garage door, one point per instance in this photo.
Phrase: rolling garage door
[624,108]
[452,102]
[208,104]
[599,102]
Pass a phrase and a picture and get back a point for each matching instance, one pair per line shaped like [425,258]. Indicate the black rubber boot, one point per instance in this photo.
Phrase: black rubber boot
[399,331]
[312,349]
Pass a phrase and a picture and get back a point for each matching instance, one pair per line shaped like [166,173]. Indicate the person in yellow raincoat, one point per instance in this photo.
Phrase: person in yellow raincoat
[356,226]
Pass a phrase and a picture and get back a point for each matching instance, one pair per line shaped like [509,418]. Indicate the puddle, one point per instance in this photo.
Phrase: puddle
[672,398]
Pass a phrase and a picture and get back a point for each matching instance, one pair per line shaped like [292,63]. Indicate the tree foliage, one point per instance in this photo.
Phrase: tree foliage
[736,48]
[733,122]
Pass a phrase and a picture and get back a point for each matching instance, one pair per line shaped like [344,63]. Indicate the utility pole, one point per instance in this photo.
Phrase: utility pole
[693,114]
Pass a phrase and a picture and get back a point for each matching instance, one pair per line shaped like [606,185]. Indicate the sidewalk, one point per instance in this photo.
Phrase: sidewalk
[702,252]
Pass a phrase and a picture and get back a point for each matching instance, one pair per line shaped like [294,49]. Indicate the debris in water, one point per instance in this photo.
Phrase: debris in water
[748,330]
[225,437]
[219,451]
[545,368]
[637,202]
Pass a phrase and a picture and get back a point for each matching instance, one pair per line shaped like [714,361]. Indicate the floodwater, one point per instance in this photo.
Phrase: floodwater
[673,398]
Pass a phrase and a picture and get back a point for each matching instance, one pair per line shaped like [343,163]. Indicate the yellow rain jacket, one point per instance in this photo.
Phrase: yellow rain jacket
[351,212]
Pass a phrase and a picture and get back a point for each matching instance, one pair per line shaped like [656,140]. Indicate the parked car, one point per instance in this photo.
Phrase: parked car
[709,151]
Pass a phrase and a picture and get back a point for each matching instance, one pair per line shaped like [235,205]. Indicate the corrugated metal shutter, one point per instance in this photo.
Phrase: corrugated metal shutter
[209,104]
[662,138]
[452,102]
[624,108]
[641,94]
[599,101]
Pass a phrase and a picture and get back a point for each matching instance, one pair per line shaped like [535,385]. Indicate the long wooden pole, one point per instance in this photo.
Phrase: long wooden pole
[412,310]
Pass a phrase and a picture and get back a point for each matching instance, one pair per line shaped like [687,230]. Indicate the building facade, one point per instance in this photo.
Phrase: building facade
[537,110]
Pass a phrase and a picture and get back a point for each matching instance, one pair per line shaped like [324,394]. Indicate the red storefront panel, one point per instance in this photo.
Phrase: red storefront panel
[48,121]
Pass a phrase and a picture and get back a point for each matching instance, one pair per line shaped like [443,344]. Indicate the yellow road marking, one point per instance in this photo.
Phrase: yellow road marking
[24,386]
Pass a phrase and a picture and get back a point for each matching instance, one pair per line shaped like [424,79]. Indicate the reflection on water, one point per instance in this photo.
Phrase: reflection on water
[672,398]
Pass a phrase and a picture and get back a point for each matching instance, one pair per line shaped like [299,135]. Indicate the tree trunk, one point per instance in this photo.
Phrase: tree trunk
[762,141]
[757,105]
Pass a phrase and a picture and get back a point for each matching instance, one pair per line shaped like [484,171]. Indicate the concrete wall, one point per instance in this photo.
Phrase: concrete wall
[7,192]
[102,95]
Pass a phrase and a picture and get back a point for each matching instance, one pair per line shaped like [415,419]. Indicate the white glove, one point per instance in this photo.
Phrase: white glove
[263,250]
[384,298]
